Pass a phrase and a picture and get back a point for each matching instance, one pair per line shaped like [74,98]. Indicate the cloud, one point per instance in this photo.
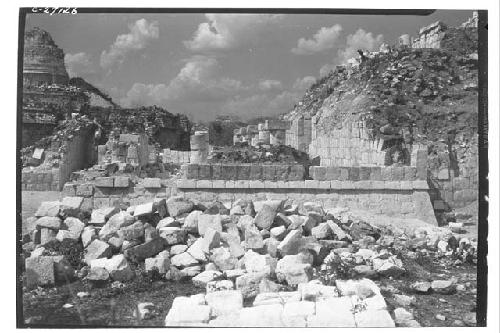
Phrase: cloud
[141,34]
[323,39]
[196,81]
[270,85]
[227,31]
[302,84]
[360,40]
[79,64]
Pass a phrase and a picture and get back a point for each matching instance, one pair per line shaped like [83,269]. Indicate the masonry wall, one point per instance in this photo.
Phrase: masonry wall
[253,171]
[298,135]
[349,146]
[175,156]
[32,132]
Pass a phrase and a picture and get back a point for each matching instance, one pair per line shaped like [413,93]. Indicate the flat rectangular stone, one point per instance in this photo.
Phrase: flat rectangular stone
[410,173]
[296,184]
[229,172]
[104,182]
[336,184]
[204,171]
[374,318]
[203,184]
[69,190]
[311,183]
[255,172]
[375,173]
[406,185]
[218,183]
[85,190]
[344,173]
[296,172]
[230,183]
[364,173]
[122,181]
[378,185]
[241,184]
[386,173]
[332,173]
[325,184]
[270,184]
[347,185]
[397,173]
[392,185]
[354,173]
[191,171]
[281,184]
[268,172]
[243,172]
[420,185]
[256,184]
[187,183]
[217,171]
[151,183]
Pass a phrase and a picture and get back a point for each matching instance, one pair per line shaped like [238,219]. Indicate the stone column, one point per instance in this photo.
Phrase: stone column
[199,147]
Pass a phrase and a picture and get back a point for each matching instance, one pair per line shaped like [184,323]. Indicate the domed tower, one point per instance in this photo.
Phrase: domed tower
[43,60]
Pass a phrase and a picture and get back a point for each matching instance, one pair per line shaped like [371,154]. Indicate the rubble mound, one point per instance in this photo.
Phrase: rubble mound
[264,154]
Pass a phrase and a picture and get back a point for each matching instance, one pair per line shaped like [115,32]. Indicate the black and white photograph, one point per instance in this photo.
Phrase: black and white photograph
[254,167]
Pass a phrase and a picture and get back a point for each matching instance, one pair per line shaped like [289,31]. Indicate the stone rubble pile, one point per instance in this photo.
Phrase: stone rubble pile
[237,252]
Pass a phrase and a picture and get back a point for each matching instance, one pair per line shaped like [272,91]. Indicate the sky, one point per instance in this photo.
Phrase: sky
[204,65]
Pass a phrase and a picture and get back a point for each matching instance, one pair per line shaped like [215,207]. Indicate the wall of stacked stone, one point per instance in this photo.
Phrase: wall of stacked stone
[175,156]
[430,36]
[79,154]
[350,145]
[270,172]
[119,191]
[404,199]
[298,135]
[390,173]
[47,180]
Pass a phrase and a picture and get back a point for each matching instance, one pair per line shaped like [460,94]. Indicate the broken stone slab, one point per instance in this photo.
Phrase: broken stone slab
[278,232]
[132,232]
[119,269]
[178,249]
[374,318]
[219,285]
[257,263]
[191,221]
[197,250]
[173,235]
[363,288]
[206,221]
[299,309]
[74,226]
[168,222]
[64,234]
[401,316]
[253,238]
[321,231]
[233,242]
[191,271]
[88,235]
[48,208]
[261,316]
[162,265]
[333,312]
[144,310]
[265,217]
[337,231]
[150,232]
[444,286]
[223,259]
[271,246]
[307,207]
[70,206]
[296,222]
[178,205]
[293,270]
[97,249]
[289,244]
[183,260]
[100,216]
[211,239]
[205,277]
[315,291]
[278,297]
[249,284]
[245,221]
[146,250]
[224,302]
[144,209]
[49,222]
[388,267]
[119,220]
[47,235]
[233,273]
[116,243]
[187,314]
[98,274]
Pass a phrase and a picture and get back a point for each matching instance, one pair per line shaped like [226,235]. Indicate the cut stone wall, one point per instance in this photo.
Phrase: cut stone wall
[298,135]
[175,156]
[271,172]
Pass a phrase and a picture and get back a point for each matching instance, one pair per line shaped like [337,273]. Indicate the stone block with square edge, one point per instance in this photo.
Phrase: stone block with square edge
[204,171]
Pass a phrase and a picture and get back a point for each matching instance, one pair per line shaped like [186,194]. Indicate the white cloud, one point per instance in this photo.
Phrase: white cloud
[302,84]
[324,39]
[141,33]
[360,40]
[195,82]
[78,64]
[226,31]
[270,85]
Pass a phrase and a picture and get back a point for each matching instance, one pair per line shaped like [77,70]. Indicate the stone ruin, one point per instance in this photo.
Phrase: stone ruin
[271,132]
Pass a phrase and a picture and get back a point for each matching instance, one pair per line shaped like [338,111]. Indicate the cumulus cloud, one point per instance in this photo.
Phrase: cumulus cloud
[79,64]
[196,81]
[324,39]
[227,31]
[360,40]
[141,34]
[270,85]
[302,84]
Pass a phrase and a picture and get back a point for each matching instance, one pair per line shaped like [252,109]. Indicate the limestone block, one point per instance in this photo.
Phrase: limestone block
[104,182]
[225,302]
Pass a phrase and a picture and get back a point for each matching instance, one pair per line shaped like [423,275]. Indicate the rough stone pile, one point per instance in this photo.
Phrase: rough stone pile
[245,249]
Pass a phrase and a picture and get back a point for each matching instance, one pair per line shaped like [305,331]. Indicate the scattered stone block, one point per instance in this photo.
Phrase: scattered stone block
[205,277]
[39,271]
[374,318]
[48,208]
[146,250]
[100,216]
[104,182]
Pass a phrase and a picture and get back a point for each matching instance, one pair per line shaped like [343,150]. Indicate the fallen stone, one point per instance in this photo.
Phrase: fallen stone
[144,209]
[88,235]
[144,310]
[211,239]
[376,318]
[178,249]
[233,242]
[39,271]
[119,220]
[364,271]
[49,222]
[187,314]
[191,221]
[293,270]
[290,243]
[253,239]
[315,291]
[421,287]
[146,250]
[443,286]
[101,215]
[321,231]
[271,247]
[98,274]
[205,277]
[401,316]
[119,269]
[256,263]
[278,297]
[223,259]
[173,235]
[162,265]
[183,260]
[47,235]
[48,208]
[219,285]
[249,284]
[206,221]
[178,205]
[97,249]
[70,206]
[389,267]
[64,234]
[132,232]
[404,300]
[74,226]
[337,231]
[278,232]
[333,312]
[197,250]
[306,207]
[363,288]
[265,217]
[191,271]
[261,316]
[225,302]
